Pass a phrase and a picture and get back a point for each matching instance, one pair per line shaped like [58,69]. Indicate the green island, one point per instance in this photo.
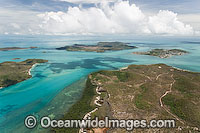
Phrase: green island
[141,92]
[15,72]
[15,48]
[163,53]
[100,47]
[16,58]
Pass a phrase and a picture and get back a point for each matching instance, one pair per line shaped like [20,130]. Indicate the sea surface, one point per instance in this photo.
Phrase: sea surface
[58,84]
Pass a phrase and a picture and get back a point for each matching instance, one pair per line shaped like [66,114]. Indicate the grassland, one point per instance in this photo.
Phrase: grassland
[14,72]
[138,92]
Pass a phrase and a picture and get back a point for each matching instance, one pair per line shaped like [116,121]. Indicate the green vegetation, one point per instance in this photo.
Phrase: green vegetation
[122,76]
[135,92]
[79,109]
[163,53]
[185,101]
[14,72]
[183,108]
[100,47]
[185,85]
[140,101]
[177,106]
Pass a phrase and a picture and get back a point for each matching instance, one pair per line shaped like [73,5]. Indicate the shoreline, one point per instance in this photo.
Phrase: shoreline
[93,108]
[123,68]
[17,74]
[80,108]
[29,72]
[33,66]
[58,106]
[167,65]
[184,70]
[88,115]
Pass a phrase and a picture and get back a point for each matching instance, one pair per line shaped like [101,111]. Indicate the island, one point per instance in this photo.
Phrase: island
[16,58]
[15,48]
[140,92]
[163,53]
[100,47]
[15,72]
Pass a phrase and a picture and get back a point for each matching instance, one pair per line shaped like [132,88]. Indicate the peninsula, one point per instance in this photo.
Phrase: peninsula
[15,48]
[14,72]
[140,92]
[163,53]
[100,47]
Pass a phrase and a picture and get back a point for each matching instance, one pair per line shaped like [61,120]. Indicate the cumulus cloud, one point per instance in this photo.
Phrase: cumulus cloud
[166,22]
[19,22]
[120,17]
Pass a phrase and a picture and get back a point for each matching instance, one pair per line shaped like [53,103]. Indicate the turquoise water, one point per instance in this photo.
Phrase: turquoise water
[65,69]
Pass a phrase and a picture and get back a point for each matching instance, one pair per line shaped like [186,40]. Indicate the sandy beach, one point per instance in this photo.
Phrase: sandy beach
[29,71]
[181,69]
[123,68]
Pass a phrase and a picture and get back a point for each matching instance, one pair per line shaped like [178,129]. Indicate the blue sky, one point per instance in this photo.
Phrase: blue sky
[179,6]
[17,13]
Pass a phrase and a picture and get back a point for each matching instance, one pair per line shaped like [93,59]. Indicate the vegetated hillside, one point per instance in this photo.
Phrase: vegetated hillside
[100,47]
[150,92]
[14,72]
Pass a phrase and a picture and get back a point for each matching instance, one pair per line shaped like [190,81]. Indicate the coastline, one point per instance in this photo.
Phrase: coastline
[177,73]
[58,106]
[15,74]
[92,107]
[181,69]
[123,68]
[33,66]
[29,72]
[79,109]
[98,98]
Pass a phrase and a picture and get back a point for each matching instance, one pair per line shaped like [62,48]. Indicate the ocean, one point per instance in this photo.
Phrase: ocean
[55,86]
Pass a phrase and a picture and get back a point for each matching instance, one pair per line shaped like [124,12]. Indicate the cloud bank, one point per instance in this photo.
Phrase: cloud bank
[19,22]
[107,17]
[166,22]
[120,17]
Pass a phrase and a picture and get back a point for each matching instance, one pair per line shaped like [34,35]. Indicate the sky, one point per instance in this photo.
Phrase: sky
[86,17]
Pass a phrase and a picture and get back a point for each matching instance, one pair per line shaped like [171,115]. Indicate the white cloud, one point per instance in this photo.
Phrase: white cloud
[121,17]
[19,22]
[16,26]
[166,22]
[192,19]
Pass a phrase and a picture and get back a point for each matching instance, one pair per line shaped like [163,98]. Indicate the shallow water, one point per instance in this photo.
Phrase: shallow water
[39,94]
